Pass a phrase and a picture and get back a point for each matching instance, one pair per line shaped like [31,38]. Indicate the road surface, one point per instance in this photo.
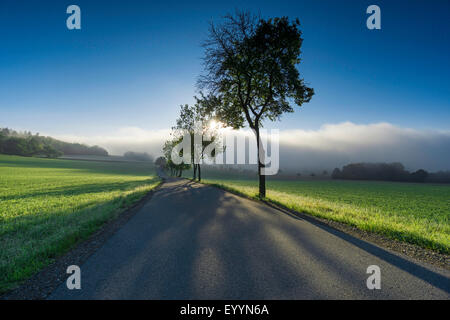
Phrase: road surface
[192,241]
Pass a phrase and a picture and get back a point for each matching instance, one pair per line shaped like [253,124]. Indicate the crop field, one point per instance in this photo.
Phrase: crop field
[48,205]
[411,212]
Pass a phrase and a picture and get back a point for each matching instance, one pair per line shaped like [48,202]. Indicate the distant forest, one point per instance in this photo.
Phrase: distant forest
[138,156]
[28,144]
[388,172]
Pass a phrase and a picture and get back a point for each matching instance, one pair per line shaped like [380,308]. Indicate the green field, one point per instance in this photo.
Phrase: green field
[48,205]
[411,212]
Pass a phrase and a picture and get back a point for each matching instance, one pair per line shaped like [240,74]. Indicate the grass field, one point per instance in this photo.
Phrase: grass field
[46,206]
[410,212]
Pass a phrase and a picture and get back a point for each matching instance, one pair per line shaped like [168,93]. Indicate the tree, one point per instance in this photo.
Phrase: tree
[35,146]
[336,174]
[251,73]
[419,176]
[51,152]
[161,162]
[186,123]
[196,121]
[16,146]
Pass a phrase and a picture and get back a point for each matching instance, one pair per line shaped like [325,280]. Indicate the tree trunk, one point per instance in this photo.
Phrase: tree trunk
[195,171]
[199,173]
[261,160]
[262,182]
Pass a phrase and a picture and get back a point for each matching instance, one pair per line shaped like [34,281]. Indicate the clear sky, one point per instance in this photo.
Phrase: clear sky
[134,62]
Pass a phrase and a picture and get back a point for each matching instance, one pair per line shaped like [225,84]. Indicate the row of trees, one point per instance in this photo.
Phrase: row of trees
[250,75]
[28,144]
[387,172]
[202,130]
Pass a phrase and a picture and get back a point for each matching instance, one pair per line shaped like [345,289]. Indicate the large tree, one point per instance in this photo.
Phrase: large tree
[250,73]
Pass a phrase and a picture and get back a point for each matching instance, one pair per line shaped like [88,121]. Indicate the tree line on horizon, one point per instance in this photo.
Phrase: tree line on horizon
[388,172]
[138,156]
[27,144]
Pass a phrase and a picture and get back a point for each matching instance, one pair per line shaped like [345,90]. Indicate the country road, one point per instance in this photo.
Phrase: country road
[192,241]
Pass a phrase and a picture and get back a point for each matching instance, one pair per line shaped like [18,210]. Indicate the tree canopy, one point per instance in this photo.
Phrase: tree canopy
[250,69]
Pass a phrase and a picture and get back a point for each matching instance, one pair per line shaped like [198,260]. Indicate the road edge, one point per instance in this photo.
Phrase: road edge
[409,250]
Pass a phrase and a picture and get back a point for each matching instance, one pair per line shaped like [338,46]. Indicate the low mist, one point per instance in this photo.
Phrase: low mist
[333,145]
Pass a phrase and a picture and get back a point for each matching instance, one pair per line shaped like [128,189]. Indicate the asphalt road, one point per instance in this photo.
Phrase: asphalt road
[192,241]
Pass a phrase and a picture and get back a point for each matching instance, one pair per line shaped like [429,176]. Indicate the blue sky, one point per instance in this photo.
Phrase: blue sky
[134,62]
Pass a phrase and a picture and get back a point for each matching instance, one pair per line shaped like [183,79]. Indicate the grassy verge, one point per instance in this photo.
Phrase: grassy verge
[47,206]
[409,212]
